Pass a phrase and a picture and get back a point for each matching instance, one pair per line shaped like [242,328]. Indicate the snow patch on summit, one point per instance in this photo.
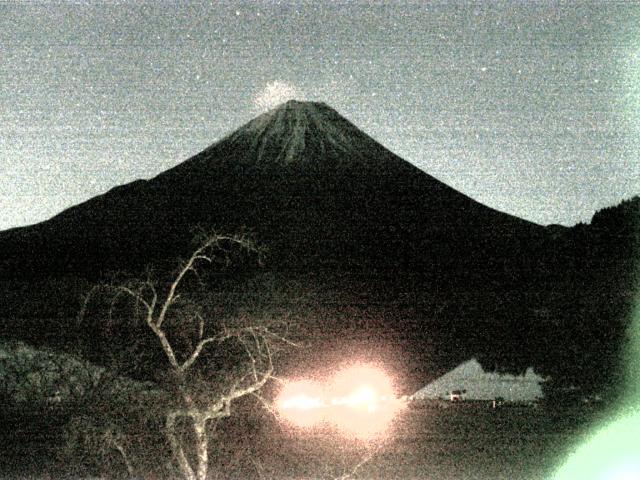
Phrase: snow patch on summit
[291,131]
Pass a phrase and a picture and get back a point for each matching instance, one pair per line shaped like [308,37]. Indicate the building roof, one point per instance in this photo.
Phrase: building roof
[482,385]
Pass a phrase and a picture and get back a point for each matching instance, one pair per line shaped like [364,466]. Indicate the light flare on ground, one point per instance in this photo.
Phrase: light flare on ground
[359,401]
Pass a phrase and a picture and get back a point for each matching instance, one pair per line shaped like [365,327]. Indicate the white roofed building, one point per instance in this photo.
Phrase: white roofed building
[474,383]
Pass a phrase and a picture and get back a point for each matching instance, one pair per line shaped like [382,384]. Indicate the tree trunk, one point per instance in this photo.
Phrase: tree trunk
[176,447]
[202,446]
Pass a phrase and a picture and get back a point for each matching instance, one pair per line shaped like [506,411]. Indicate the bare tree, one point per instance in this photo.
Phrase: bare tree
[188,330]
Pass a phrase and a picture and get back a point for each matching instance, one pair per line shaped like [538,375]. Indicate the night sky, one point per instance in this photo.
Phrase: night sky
[530,108]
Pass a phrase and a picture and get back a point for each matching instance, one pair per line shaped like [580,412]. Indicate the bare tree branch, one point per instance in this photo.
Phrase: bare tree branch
[268,406]
[183,338]
[365,459]
[189,265]
[112,439]
[196,353]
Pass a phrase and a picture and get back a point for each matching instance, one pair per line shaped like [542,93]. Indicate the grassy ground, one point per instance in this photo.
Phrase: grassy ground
[469,442]
[462,442]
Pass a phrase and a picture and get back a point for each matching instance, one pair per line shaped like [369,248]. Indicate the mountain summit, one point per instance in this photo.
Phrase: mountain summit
[295,131]
[301,137]
[300,132]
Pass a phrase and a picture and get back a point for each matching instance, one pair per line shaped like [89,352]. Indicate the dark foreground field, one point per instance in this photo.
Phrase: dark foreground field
[460,442]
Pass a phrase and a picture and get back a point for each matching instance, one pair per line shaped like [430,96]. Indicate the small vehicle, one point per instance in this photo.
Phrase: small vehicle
[456,395]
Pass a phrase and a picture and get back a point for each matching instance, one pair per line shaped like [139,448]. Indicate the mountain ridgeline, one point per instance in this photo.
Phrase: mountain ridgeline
[307,183]
[398,259]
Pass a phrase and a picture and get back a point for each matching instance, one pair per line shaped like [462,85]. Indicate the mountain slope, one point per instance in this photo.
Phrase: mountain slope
[310,186]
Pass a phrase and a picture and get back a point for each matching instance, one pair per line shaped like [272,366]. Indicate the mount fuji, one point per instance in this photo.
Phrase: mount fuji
[400,257]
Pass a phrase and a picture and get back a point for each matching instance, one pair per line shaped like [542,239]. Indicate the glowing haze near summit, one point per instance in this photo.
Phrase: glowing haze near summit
[531,108]
[274,94]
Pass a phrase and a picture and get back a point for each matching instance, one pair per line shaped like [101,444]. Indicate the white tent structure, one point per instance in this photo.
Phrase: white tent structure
[471,382]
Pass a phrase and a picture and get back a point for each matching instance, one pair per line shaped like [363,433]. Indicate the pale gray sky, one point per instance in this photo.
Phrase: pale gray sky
[530,108]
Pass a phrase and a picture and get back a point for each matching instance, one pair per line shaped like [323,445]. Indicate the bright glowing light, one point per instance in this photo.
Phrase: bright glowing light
[362,383]
[275,93]
[359,401]
[301,403]
[363,398]
[612,454]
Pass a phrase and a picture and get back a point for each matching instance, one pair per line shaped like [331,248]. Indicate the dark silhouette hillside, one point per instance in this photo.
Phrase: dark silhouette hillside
[308,184]
[398,256]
